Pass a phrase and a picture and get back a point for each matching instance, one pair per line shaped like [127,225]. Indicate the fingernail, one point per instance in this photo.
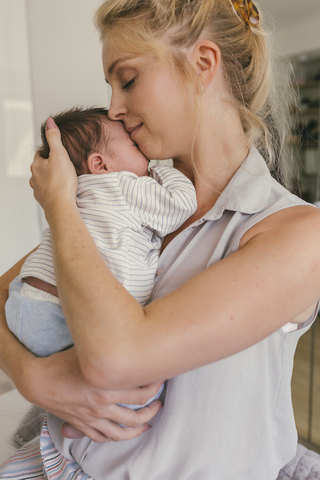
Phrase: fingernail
[50,123]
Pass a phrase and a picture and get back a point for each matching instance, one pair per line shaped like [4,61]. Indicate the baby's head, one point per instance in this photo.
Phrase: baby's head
[96,144]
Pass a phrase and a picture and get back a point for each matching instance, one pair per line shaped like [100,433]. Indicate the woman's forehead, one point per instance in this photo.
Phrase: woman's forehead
[123,42]
[113,53]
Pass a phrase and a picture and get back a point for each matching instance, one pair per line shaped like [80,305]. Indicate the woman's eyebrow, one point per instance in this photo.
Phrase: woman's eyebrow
[116,62]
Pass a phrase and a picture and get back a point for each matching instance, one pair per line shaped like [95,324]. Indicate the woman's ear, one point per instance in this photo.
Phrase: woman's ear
[205,58]
[97,163]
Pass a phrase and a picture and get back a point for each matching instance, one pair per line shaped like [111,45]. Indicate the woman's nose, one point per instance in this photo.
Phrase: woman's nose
[117,109]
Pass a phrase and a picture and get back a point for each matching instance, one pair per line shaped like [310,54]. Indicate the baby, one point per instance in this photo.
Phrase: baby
[127,208]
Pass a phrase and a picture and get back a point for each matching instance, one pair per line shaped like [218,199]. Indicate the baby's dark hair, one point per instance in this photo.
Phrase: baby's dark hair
[82,133]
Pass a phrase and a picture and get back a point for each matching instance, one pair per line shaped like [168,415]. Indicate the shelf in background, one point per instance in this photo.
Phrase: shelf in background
[308,84]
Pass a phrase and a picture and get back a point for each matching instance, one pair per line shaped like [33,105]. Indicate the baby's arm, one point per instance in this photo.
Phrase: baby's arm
[164,201]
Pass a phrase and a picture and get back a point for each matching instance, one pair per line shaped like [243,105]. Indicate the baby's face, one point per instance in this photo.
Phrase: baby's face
[122,153]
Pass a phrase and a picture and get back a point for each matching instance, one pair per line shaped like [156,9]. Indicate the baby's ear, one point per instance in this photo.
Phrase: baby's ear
[97,163]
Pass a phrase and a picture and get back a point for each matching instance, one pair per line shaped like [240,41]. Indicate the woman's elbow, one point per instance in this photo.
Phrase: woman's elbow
[104,371]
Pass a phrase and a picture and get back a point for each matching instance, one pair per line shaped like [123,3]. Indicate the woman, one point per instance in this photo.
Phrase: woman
[238,283]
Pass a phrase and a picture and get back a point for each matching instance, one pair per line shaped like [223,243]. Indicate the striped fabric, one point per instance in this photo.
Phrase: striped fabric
[40,460]
[26,464]
[127,217]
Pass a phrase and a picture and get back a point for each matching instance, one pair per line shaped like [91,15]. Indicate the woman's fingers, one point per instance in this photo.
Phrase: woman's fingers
[53,177]
[111,432]
[97,402]
[117,433]
[53,137]
[135,418]
[50,123]
[120,423]
[136,396]
[100,419]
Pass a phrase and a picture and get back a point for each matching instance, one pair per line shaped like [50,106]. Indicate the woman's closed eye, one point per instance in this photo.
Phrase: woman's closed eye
[128,84]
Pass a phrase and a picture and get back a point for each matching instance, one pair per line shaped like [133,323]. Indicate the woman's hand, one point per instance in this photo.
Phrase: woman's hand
[53,179]
[55,383]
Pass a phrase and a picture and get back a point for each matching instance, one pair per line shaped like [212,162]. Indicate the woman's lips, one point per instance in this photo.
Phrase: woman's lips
[135,131]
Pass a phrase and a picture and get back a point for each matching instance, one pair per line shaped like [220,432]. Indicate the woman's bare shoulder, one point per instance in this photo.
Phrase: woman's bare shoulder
[300,227]
[302,221]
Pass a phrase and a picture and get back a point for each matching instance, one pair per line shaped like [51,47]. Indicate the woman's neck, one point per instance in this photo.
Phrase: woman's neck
[209,184]
[220,148]
[213,172]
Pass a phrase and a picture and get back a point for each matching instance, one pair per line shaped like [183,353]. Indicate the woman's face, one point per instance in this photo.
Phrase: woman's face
[155,107]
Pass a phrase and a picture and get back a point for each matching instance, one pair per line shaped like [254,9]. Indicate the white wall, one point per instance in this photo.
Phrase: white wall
[50,59]
[18,213]
[300,37]
[65,56]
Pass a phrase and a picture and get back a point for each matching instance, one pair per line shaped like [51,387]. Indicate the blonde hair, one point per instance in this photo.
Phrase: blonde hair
[140,24]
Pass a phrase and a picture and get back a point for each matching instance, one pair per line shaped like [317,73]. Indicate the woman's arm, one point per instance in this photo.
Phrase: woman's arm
[273,278]
[56,384]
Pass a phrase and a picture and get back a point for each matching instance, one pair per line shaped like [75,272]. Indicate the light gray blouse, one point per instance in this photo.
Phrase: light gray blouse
[232,419]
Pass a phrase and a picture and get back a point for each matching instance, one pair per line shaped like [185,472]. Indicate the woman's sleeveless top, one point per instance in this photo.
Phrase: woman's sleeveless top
[232,419]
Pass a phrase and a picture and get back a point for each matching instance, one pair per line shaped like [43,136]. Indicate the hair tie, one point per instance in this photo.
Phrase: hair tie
[248,11]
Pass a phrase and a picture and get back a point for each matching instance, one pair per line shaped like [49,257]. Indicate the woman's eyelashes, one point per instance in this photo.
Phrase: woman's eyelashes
[128,84]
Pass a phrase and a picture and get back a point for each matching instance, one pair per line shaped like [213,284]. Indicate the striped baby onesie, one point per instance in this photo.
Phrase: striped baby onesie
[127,216]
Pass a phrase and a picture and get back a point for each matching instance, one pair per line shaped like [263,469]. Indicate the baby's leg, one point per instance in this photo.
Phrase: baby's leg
[36,318]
